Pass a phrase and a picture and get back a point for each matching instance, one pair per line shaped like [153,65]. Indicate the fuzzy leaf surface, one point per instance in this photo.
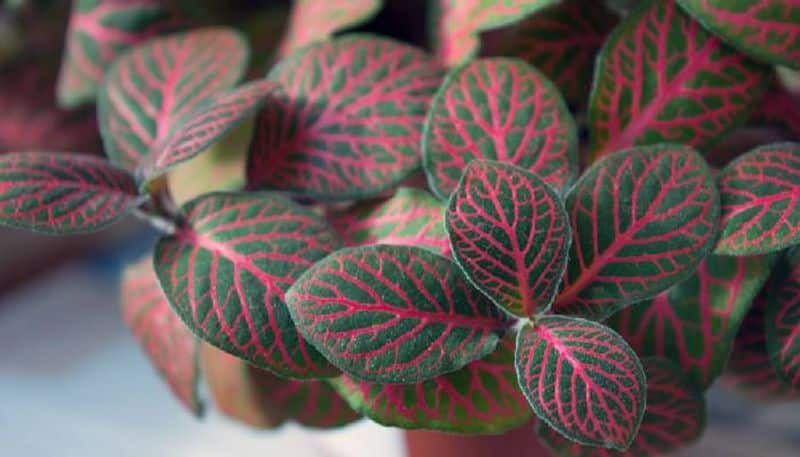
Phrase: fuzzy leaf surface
[60,193]
[411,217]
[582,379]
[694,322]
[662,78]
[760,194]
[674,418]
[482,397]
[510,234]
[313,20]
[394,314]
[227,269]
[498,109]
[99,31]
[149,91]
[642,220]
[349,126]
[260,399]
[767,30]
[170,346]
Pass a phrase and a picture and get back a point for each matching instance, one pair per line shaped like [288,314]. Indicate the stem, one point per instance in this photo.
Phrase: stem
[160,210]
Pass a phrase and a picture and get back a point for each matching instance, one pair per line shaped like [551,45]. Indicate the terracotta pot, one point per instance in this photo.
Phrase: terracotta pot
[521,442]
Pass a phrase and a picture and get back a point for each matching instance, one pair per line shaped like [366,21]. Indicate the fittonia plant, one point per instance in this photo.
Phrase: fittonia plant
[601,284]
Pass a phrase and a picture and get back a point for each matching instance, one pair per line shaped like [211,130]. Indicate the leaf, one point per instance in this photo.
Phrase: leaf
[457,23]
[760,194]
[205,126]
[59,193]
[313,20]
[498,109]
[694,323]
[582,379]
[149,91]
[674,418]
[396,314]
[170,346]
[768,30]
[561,41]
[225,272]
[750,369]
[782,321]
[662,78]
[412,217]
[642,220]
[483,397]
[780,107]
[510,235]
[99,32]
[263,400]
[351,122]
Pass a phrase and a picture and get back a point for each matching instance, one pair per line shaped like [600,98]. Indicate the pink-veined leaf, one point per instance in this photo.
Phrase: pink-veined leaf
[411,217]
[61,193]
[642,220]
[482,397]
[150,90]
[456,23]
[582,379]
[226,269]
[262,400]
[510,234]
[694,322]
[498,109]
[749,369]
[313,20]
[99,32]
[170,346]
[561,41]
[395,314]
[205,126]
[768,30]
[674,418]
[782,320]
[350,124]
[760,194]
[662,78]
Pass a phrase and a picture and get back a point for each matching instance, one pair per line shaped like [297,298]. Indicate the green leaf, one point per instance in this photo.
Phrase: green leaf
[782,320]
[396,314]
[510,235]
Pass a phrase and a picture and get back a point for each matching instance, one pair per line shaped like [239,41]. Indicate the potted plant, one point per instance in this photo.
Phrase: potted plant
[428,239]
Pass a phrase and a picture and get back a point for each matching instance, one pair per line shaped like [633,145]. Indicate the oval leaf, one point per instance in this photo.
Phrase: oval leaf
[674,418]
[582,379]
[642,220]
[226,270]
[783,321]
[350,124]
[498,109]
[750,369]
[59,193]
[149,91]
[396,314]
[760,194]
[694,323]
[412,217]
[314,20]
[483,397]
[458,22]
[768,30]
[510,234]
[204,127]
[561,41]
[263,400]
[99,32]
[170,346]
[662,78]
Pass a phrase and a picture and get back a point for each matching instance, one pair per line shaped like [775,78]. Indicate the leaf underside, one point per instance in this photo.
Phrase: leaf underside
[396,314]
